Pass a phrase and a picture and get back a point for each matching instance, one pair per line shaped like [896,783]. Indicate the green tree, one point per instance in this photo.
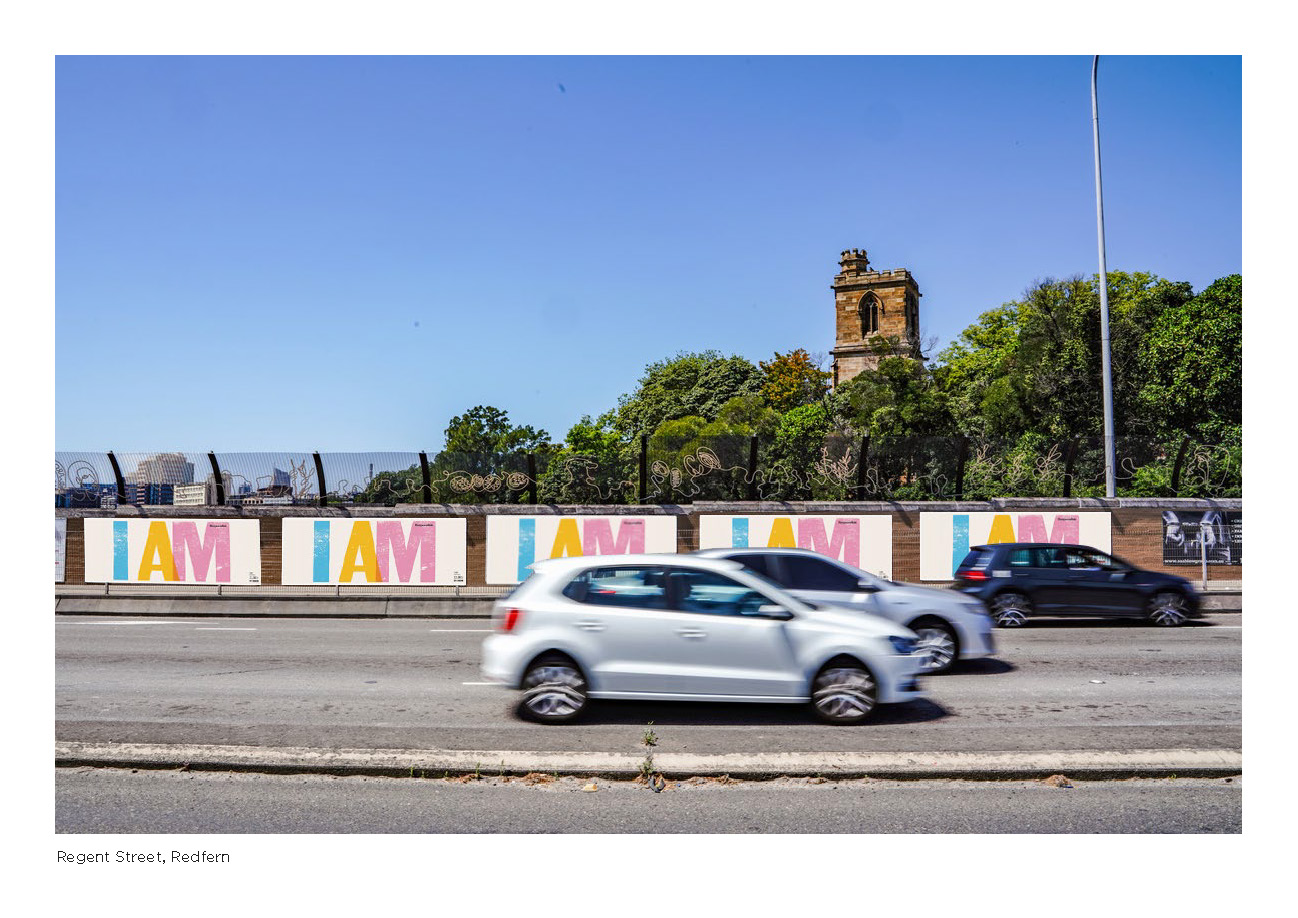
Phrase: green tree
[696,384]
[594,465]
[484,459]
[792,379]
[1035,365]
[1192,361]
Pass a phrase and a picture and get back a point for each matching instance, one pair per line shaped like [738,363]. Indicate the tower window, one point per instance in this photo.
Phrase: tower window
[869,310]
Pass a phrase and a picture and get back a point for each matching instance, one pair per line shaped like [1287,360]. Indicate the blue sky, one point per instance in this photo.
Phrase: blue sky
[342,253]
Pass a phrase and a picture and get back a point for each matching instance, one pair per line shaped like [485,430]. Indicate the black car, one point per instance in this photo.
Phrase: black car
[1017,580]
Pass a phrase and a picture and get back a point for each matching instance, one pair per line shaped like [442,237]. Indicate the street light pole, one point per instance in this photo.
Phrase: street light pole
[1109,484]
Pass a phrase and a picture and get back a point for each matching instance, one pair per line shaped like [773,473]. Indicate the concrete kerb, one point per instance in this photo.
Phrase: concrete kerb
[356,607]
[434,763]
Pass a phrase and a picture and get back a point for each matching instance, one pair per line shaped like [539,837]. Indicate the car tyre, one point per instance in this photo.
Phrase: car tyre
[843,693]
[939,639]
[1011,610]
[1168,609]
[554,691]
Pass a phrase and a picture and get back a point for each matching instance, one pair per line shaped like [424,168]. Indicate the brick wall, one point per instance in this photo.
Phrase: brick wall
[1137,526]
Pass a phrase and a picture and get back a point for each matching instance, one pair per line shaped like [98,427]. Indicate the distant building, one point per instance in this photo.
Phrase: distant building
[164,468]
[190,495]
[150,494]
[88,496]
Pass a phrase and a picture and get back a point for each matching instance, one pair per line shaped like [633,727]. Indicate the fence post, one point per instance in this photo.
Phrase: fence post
[860,468]
[959,467]
[428,478]
[117,475]
[1068,467]
[1203,555]
[644,467]
[531,478]
[216,477]
[319,474]
[1176,467]
[752,467]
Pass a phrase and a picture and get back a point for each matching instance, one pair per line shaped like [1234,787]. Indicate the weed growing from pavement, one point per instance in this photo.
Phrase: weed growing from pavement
[650,738]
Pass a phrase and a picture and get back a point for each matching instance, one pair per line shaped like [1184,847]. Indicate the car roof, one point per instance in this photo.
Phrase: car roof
[1035,545]
[574,564]
[725,552]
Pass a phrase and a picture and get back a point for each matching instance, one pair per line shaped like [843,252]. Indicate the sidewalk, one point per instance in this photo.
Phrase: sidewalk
[423,763]
[1224,596]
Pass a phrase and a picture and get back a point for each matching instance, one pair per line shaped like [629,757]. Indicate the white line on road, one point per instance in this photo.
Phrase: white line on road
[209,628]
[121,623]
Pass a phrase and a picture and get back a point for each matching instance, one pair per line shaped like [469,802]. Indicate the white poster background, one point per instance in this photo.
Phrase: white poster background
[864,541]
[115,551]
[944,536]
[60,548]
[403,563]
[515,542]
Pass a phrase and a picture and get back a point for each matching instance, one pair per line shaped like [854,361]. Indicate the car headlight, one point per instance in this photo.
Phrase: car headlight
[902,645]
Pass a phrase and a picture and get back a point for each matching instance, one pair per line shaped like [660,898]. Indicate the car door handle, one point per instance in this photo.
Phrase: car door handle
[590,626]
[691,633]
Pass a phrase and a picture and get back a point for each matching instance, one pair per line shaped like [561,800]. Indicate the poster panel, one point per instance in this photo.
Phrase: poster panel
[427,552]
[1193,536]
[514,543]
[60,549]
[863,541]
[945,538]
[173,551]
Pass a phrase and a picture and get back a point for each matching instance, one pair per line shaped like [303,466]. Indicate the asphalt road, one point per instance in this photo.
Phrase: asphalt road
[89,800]
[414,684]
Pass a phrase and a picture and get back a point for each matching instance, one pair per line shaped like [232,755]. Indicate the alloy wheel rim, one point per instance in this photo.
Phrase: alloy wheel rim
[1010,618]
[554,691]
[939,645]
[1168,612]
[844,694]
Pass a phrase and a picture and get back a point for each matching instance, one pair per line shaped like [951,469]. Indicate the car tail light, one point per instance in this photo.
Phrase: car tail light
[510,620]
[971,575]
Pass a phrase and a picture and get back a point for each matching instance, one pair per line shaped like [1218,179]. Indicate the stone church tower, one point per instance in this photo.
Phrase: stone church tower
[870,304]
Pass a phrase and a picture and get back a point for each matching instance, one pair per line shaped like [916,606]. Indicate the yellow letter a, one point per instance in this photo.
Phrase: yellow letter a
[567,541]
[157,554]
[782,534]
[361,543]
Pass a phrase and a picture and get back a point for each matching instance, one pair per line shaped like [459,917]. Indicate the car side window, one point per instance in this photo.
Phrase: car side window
[757,563]
[1049,558]
[712,593]
[1084,561]
[624,587]
[803,573]
[1022,557]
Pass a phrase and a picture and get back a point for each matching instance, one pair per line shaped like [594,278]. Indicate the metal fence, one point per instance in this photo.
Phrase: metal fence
[656,472]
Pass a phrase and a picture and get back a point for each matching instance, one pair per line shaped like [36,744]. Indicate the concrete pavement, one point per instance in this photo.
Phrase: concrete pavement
[433,762]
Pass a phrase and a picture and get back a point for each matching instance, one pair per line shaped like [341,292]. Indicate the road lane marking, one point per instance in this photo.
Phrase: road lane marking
[214,628]
[123,623]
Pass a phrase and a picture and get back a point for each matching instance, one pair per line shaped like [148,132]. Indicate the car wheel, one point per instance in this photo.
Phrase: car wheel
[843,693]
[938,640]
[1011,610]
[1168,610]
[554,690]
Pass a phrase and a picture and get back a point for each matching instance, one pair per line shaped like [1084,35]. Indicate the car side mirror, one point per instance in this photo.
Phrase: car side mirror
[866,586]
[771,610]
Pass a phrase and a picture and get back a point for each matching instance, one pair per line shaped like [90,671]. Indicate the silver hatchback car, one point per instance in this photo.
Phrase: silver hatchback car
[950,625]
[686,628]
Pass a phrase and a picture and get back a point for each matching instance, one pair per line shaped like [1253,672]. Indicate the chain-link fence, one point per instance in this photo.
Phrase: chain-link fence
[657,471]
